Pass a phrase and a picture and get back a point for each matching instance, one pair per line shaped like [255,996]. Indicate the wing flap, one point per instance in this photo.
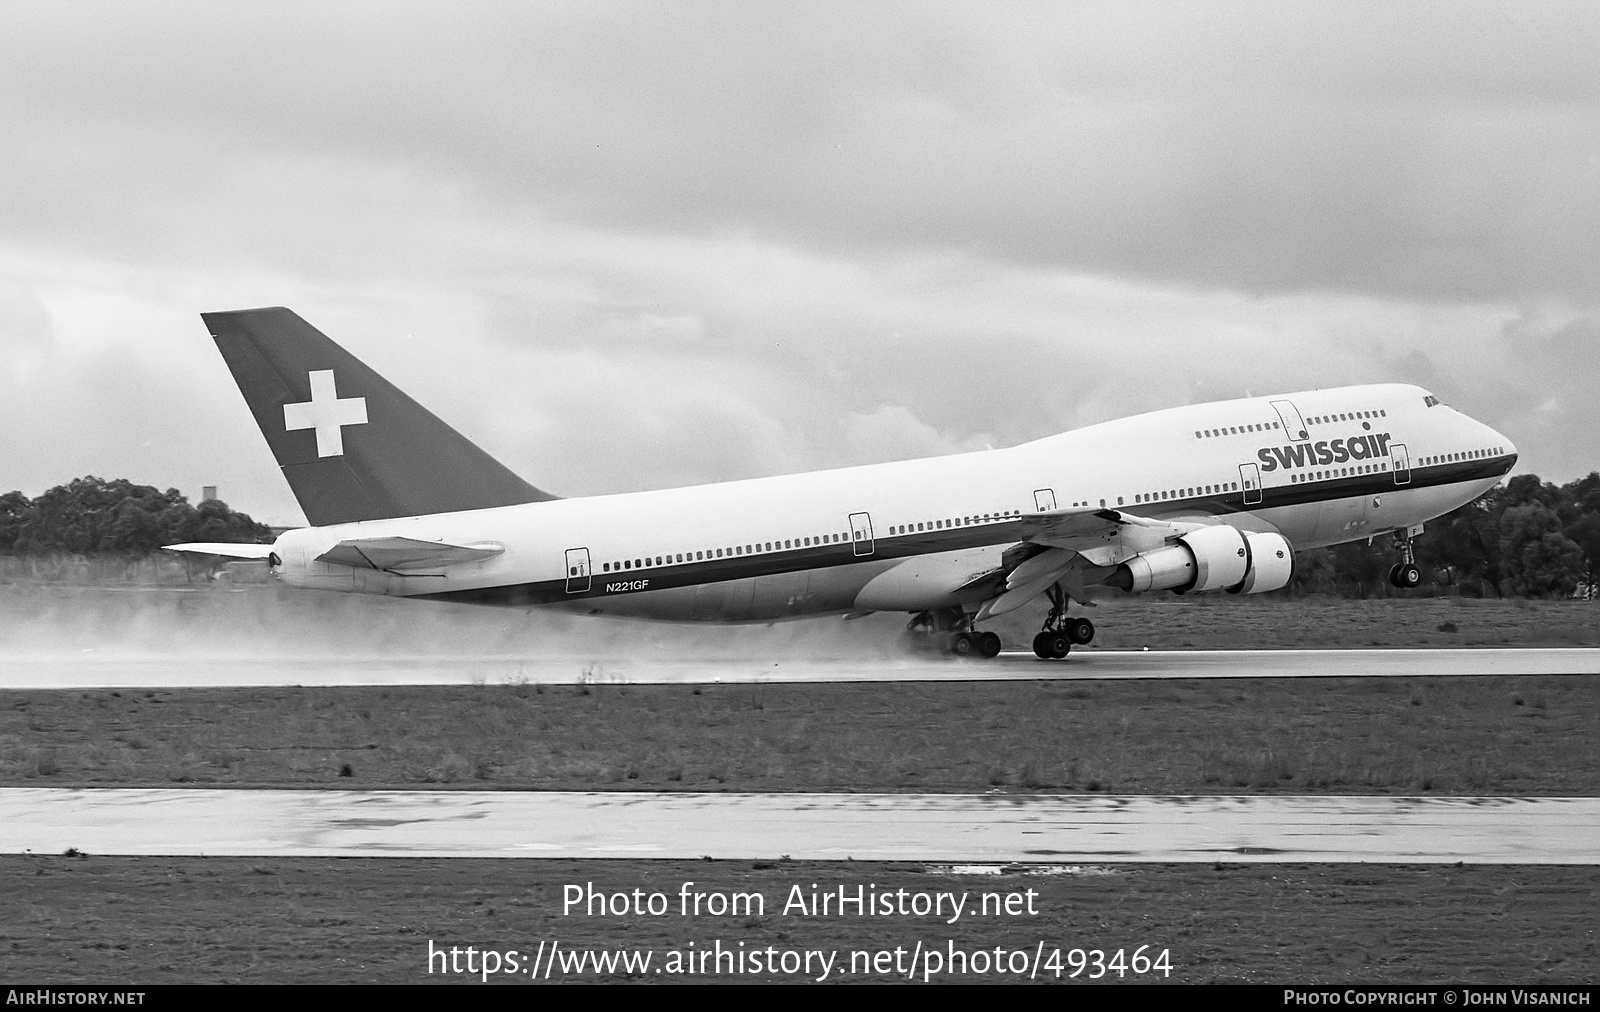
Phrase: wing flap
[400,554]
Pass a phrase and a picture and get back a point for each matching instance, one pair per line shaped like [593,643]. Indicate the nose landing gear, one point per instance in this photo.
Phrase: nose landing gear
[1405,575]
[1061,632]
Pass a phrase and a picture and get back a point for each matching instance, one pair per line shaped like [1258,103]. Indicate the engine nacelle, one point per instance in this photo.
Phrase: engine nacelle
[1157,570]
[1211,558]
[1220,556]
[1271,564]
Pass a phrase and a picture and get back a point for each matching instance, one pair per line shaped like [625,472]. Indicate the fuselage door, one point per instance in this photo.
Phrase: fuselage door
[1250,482]
[861,533]
[1400,463]
[1294,427]
[1044,499]
[577,570]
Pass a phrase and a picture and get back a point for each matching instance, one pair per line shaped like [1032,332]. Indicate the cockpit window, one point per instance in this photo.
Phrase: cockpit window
[1429,400]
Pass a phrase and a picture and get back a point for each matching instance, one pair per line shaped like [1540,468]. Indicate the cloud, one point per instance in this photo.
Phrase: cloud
[1422,150]
[642,245]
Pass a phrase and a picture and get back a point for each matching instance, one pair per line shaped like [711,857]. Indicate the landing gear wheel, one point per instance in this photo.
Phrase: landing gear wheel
[962,645]
[1406,574]
[1055,640]
[1041,645]
[1060,645]
[988,644]
[1080,630]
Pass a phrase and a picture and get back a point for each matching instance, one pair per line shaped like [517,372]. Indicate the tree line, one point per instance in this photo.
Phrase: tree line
[91,517]
[1526,538]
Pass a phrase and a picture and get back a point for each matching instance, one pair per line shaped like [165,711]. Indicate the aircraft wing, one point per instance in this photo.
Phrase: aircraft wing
[221,549]
[406,553]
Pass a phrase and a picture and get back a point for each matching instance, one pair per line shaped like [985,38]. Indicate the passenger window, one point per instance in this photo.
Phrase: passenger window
[605,567]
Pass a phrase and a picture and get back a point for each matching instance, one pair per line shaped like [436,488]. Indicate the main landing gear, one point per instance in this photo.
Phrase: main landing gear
[1060,632]
[949,631]
[1405,575]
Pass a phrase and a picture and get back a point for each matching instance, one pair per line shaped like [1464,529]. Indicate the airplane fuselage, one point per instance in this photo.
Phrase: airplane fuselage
[1318,467]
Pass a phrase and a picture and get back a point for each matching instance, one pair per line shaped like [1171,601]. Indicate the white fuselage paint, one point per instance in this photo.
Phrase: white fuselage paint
[969,505]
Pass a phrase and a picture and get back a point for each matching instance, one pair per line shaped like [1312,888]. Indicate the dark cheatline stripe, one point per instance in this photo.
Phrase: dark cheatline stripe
[998,532]
[739,567]
[1326,489]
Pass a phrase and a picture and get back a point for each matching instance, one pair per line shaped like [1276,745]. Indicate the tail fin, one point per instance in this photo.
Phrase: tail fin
[352,446]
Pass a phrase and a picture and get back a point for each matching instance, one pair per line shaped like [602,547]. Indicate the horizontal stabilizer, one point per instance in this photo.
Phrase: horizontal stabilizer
[405,553]
[221,549]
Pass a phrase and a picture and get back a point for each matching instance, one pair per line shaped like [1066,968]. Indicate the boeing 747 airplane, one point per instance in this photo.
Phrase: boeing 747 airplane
[1207,497]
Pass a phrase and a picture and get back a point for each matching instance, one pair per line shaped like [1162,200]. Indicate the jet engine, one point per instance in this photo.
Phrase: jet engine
[1271,564]
[1211,558]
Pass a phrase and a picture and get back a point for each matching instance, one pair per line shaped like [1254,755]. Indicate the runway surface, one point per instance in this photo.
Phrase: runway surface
[99,671]
[877,827]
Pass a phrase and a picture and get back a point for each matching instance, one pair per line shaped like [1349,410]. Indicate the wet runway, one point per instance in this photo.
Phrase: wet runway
[877,827]
[93,671]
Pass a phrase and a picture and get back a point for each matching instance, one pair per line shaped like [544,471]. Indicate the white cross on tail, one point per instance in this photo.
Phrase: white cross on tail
[326,413]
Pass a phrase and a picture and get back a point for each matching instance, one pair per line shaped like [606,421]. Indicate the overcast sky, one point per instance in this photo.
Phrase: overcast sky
[641,245]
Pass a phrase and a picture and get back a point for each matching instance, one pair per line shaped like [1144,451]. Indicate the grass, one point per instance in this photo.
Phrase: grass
[164,920]
[1463,735]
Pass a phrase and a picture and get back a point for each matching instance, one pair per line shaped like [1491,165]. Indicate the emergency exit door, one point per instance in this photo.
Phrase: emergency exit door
[1400,463]
[861,533]
[1294,427]
[577,570]
[1250,482]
